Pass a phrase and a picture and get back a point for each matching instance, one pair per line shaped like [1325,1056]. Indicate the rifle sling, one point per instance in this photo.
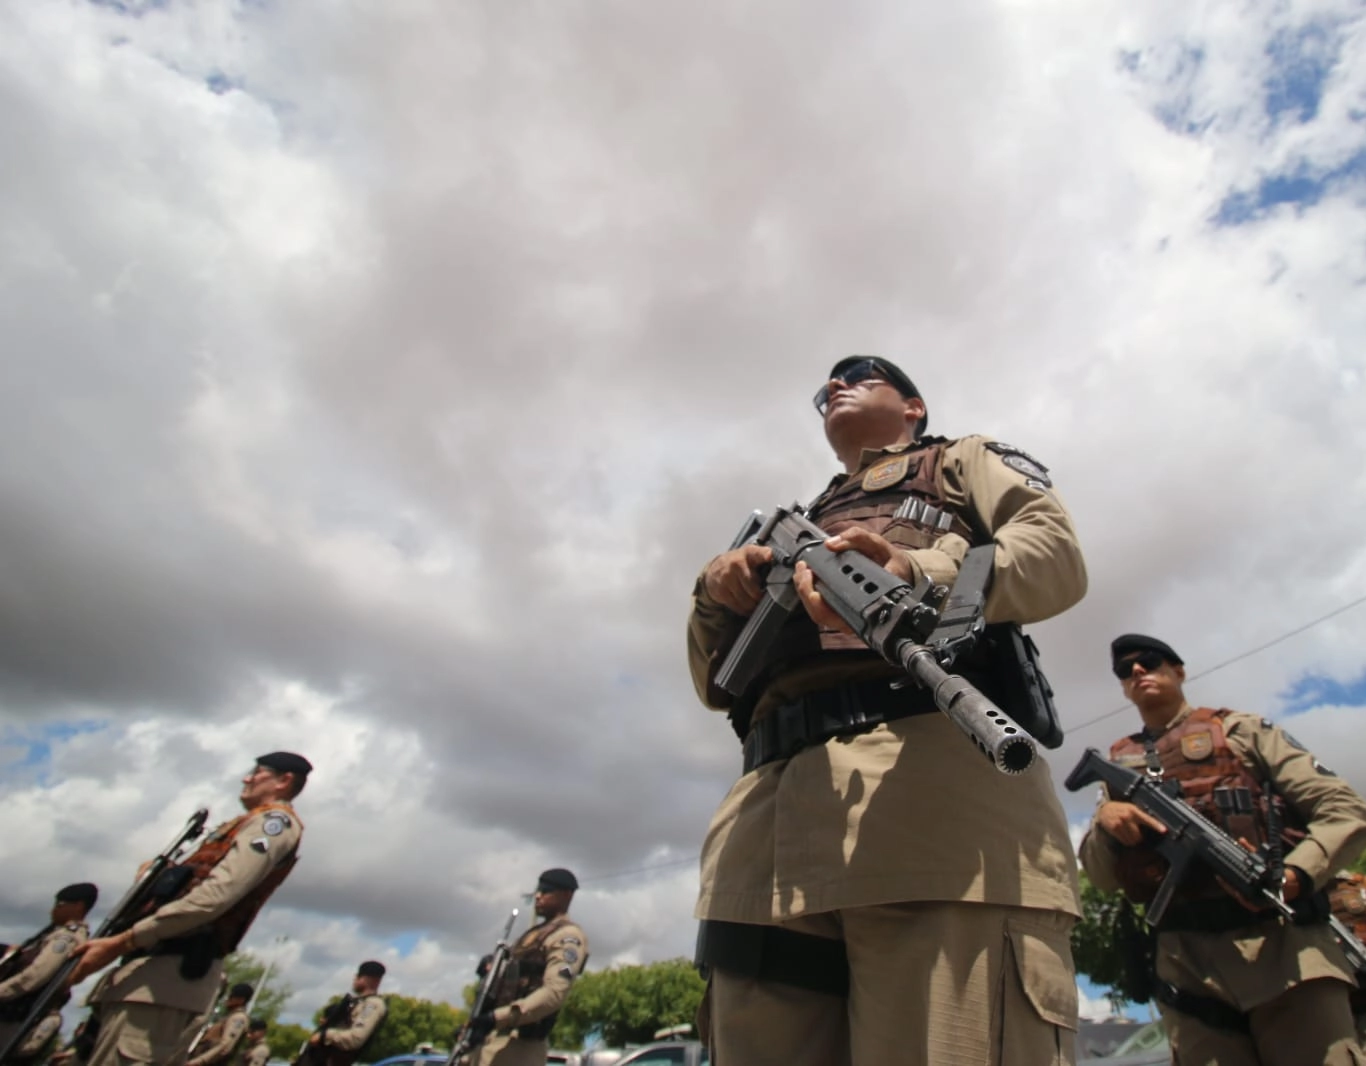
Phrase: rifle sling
[843,710]
[1213,1012]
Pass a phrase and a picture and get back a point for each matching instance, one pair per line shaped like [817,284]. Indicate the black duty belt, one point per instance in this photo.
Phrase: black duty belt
[1213,1012]
[815,717]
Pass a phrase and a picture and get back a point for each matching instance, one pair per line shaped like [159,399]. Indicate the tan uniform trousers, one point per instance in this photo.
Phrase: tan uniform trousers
[509,1049]
[931,984]
[141,1032]
[1308,1025]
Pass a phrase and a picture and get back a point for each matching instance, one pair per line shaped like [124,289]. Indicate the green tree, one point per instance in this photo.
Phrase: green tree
[408,1022]
[1112,946]
[629,1003]
[270,996]
[285,1040]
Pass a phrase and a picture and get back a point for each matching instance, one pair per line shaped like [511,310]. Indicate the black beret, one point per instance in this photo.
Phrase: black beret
[81,892]
[285,762]
[1132,642]
[895,374]
[558,880]
[241,990]
[372,968]
[257,1024]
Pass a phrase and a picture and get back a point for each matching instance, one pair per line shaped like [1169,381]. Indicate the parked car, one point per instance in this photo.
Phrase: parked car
[667,1053]
[1146,1046]
[414,1058]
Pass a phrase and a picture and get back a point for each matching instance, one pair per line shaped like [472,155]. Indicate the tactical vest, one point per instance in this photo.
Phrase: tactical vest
[16,1009]
[897,497]
[338,1016]
[229,928]
[526,973]
[1347,898]
[1219,785]
[214,1033]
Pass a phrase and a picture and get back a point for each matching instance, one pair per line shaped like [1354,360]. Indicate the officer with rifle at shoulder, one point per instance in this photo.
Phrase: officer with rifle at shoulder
[218,1042]
[28,967]
[257,1051]
[1229,830]
[198,913]
[348,1025]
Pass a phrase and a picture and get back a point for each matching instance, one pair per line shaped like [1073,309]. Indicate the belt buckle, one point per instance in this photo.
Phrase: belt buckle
[851,707]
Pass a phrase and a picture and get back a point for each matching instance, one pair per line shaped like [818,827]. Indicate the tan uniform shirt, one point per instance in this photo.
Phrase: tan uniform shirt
[566,952]
[910,810]
[55,950]
[366,1013]
[1252,966]
[39,1036]
[221,1040]
[257,1054]
[262,842]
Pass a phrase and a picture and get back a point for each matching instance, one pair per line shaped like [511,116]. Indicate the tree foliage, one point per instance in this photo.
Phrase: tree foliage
[270,997]
[408,1022]
[285,1040]
[1111,945]
[629,1004]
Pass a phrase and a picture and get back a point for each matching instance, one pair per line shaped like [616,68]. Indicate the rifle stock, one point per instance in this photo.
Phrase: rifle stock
[124,914]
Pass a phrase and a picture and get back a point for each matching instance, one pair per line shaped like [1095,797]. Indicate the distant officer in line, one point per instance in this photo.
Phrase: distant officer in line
[544,962]
[221,1040]
[173,958]
[29,966]
[257,1051]
[873,891]
[1235,984]
[350,1023]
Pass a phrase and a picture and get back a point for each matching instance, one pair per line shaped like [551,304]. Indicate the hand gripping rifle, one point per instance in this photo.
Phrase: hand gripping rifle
[484,999]
[127,911]
[893,618]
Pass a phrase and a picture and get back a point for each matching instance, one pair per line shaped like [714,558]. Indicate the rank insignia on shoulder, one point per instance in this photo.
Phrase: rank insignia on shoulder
[1021,462]
[260,844]
[572,941]
[886,472]
[1289,739]
[275,824]
[1323,769]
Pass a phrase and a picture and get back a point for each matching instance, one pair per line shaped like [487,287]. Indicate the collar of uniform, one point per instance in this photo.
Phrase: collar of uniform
[1185,712]
[871,455]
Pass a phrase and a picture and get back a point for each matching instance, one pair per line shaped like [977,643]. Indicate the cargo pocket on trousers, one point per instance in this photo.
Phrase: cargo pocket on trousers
[1040,1000]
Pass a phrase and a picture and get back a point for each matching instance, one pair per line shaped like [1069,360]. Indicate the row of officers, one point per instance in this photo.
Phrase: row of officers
[171,932]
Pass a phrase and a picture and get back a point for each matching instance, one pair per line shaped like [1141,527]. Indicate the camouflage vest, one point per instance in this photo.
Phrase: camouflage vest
[1214,781]
[230,927]
[878,498]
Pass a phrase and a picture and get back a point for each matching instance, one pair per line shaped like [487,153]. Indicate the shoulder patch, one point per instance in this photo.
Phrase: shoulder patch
[260,844]
[60,945]
[275,824]
[1021,462]
[570,955]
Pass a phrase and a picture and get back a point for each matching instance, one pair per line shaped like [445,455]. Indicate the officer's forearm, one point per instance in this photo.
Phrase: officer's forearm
[1097,854]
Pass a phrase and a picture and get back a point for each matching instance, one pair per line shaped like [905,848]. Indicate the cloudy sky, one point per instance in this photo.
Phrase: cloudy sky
[377,378]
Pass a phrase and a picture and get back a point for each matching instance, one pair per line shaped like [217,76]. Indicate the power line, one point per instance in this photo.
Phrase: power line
[1238,658]
[641,869]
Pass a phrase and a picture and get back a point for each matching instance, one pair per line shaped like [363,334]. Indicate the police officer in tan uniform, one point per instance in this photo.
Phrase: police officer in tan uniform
[257,1051]
[873,891]
[173,957]
[544,963]
[350,1023]
[28,967]
[1237,985]
[220,1041]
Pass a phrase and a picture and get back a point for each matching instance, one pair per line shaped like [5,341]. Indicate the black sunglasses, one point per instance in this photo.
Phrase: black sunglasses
[1149,660]
[863,370]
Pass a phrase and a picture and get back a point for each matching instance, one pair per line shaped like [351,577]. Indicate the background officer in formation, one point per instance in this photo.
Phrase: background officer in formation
[887,840]
[348,1024]
[1235,984]
[172,959]
[257,1051]
[28,967]
[546,960]
[220,1040]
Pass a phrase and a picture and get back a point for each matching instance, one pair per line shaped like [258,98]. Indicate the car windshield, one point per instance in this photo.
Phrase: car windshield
[1148,1038]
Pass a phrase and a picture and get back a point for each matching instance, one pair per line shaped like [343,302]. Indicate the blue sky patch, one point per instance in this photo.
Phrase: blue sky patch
[1302,60]
[1304,186]
[405,942]
[1314,690]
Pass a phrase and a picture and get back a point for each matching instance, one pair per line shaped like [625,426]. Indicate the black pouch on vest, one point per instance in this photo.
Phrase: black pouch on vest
[197,952]
[1017,685]
[169,884]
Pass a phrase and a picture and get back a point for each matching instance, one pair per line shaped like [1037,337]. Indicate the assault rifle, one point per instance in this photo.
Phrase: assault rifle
[127,911]
[1192,838]
[895,619]
[484,999]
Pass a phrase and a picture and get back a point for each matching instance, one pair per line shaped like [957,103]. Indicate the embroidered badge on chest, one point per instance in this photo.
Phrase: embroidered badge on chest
[886,472]
[1197,746]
